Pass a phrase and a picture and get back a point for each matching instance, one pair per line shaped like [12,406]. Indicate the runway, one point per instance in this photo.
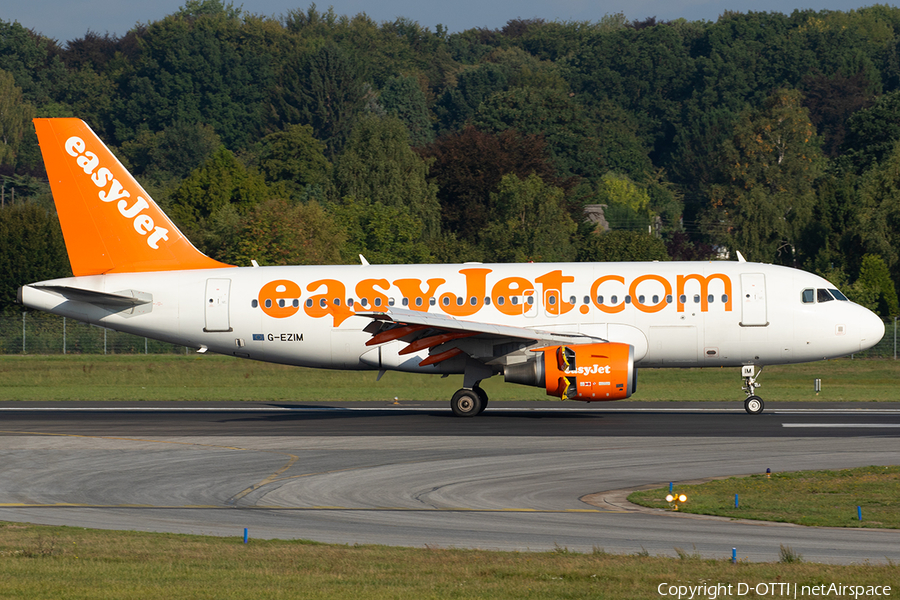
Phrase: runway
[514,478]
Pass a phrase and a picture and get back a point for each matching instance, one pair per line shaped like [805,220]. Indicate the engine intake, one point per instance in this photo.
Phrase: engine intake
[587,372]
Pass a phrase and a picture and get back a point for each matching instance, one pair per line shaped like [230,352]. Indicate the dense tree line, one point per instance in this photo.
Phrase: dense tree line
[315,137]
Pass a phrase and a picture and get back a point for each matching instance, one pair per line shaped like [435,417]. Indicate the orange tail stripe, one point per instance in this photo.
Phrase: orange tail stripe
[393,334]
[436,358]
[434,340]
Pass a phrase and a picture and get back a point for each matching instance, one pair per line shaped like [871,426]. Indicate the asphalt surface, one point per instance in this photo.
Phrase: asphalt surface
[522,476]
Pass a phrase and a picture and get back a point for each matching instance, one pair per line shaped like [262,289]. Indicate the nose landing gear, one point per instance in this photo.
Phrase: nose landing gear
[754,405]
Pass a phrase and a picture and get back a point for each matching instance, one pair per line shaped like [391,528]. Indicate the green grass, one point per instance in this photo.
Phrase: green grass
[820,498]
[72,563]
[195,377]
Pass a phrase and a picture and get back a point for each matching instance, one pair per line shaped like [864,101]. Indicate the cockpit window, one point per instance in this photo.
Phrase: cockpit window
[823,296]
[837,294]
[809,296]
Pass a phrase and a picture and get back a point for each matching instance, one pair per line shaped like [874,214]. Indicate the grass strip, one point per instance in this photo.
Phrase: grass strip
[194,377]
[816,498]
[73,563]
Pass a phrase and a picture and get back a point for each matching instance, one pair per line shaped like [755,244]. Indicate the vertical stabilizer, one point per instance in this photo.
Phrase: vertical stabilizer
[110,224]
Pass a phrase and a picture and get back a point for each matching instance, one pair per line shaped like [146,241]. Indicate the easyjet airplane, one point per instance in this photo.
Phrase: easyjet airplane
[579,330]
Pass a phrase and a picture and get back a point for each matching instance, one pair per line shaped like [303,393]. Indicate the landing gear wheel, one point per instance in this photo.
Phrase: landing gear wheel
[754,405]
[465,403]
[482,395]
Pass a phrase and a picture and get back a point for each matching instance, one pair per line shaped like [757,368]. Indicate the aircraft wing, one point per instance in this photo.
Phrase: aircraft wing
[445,336]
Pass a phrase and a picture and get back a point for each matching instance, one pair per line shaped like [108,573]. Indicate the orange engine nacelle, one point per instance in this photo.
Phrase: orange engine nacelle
[587,372]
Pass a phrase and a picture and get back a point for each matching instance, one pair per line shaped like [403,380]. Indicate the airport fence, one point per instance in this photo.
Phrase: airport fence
[33,332]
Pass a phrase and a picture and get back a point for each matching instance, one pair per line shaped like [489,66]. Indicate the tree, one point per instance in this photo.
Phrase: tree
[15,118]
[874,288]
[171,154]
[880,213]
[468,166]
[768,169]
[293,160]
[403,98]
[614,246]
[379,167]
[221,182]
[31,249]
[530,223]
[872,132]
[583,142]
[325,89]
[382,234]
[279,232]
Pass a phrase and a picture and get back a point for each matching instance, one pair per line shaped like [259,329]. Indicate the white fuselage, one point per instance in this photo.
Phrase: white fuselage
[675,314]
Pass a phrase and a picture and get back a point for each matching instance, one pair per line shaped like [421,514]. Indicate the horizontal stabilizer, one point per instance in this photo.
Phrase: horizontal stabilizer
[119,300]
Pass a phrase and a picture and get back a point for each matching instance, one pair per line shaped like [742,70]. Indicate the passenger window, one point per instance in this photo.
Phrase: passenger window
[725,298]
[254,303]
[501,300]
[809,296]
[641,299]
[432,301]
[487,301]
[551,300]
[572,299]
[295,303]
[473,301]
[364,302]
[418,302]
[446,301]
[668,298]
[696,298]
[614,299]
[710,298]
[269,303]
[627,299]
[823,296]
[655,300]
[323,303]
[587,299]
[391,301]
[377,301]
[682,298]
[308,302]
[599,299]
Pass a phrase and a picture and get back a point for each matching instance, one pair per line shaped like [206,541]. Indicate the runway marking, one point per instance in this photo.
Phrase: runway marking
[318,508]
[843,425]
[252,409]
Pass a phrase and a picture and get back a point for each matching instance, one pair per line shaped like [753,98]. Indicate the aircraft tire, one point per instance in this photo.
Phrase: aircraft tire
[754,405]
[482,395]
[465,403]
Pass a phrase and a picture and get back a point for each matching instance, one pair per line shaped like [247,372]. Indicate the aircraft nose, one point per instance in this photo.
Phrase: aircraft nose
[871,330]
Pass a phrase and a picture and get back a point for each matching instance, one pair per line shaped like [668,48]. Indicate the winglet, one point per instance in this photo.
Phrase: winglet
[110,224]
[741,257]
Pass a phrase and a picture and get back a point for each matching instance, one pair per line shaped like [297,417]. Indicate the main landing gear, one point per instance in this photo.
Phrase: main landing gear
[469,402]
[754,405]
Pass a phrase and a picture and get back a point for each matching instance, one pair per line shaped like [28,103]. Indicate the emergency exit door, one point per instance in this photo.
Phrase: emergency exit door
[217,300]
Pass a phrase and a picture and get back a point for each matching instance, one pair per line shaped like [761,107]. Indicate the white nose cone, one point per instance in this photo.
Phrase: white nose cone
[870,328]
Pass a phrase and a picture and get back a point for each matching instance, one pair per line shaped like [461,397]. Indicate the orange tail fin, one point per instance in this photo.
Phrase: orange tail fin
[110,224]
